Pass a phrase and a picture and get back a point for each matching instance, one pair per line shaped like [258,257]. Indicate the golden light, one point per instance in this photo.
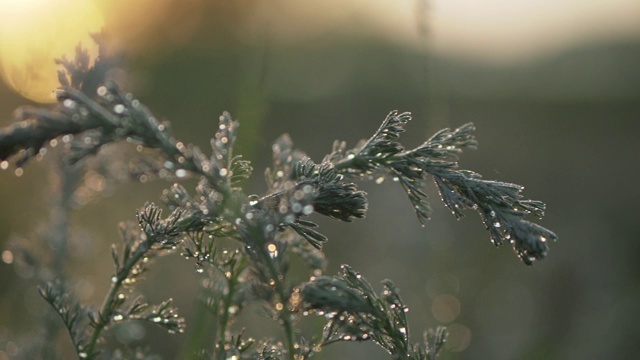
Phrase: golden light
[34,32]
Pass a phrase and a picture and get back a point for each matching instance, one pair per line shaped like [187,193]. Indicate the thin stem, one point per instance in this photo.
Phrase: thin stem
[106,310]
[225,315]
[228,300]
[284,314]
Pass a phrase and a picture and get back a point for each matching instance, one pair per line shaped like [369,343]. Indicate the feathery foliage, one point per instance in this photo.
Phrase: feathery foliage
[241,244]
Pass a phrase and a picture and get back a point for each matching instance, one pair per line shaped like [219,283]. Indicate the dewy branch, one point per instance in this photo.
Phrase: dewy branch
[265,230]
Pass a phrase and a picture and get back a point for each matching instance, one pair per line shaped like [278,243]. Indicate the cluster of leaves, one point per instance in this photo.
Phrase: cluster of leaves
[500,204]
[241,243]
[357,313]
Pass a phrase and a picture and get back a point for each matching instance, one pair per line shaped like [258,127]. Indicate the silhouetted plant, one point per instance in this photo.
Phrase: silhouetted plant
[266,230]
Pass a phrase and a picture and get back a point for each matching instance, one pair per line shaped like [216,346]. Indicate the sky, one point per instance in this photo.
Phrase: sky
[494,31]
[512,30]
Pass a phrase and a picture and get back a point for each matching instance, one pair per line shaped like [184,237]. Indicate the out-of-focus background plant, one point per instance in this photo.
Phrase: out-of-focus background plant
[552,88]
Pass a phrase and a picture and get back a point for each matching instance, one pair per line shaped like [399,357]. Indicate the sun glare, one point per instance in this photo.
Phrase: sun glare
[33,33]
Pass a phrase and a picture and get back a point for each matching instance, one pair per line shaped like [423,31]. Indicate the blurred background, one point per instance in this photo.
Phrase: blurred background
[553,88]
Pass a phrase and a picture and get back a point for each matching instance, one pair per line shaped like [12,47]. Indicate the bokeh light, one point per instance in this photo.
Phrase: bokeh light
[34,32]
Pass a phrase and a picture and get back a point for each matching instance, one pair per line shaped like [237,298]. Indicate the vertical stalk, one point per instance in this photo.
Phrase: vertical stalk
[106,310]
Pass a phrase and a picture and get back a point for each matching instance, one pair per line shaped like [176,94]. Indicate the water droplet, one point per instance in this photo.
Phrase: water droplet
[68,103]
[396,179]
[101,91]
[346,337]
[253,199]
[307,209]
[269,228]
[83,355]
[222,126]
[114,279]
[199,269]
[118,317]
[223,172]
[249,216]
[403,330]
[350,156]
[139,148]
[492,213]
[118,108]
[296,207]
[497,224]
[19,171]
[157,319]
[273,250]
[180,173]
[7,257]
[380,180]
[4,165]
[224,140]
[279,174]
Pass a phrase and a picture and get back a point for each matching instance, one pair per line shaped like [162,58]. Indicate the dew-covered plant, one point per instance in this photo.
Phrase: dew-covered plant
[241,244]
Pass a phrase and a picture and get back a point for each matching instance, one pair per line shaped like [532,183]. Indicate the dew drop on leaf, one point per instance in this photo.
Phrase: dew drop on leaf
[380,180]
[307,209]
[4,165]
[253,199]
[102,91]
[68,103]
[296,207]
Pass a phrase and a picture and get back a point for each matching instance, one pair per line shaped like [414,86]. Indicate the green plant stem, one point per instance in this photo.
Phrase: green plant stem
[284,314]
[106,310]
[228,300]
[225,315]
